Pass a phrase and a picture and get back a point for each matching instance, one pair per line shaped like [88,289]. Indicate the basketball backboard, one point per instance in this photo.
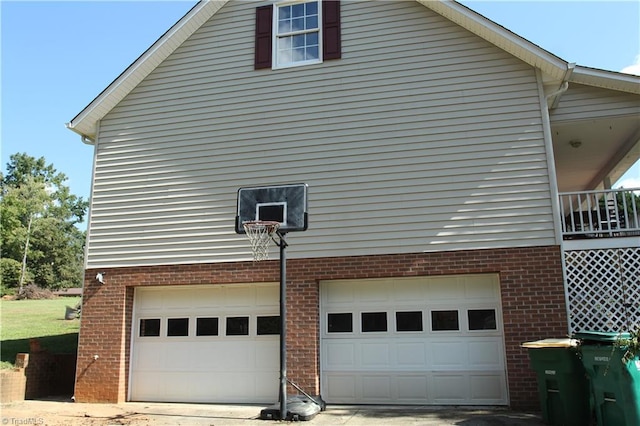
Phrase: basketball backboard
[286,204]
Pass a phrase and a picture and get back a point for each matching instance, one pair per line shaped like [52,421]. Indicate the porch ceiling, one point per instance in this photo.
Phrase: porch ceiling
[608,147]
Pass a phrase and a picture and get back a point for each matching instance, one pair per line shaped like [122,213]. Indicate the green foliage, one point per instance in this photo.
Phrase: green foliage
[23,320]
[630,345]
[10,270]
[38,226]
[624,201]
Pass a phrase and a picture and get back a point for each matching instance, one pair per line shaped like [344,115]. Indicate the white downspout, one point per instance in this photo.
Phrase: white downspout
[563,88]
[87,140]
[553,186]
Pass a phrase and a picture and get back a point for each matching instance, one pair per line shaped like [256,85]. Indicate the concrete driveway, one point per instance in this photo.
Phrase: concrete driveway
[62,413]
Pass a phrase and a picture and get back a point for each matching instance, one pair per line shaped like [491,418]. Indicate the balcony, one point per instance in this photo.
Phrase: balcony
[611,213]
[601,247]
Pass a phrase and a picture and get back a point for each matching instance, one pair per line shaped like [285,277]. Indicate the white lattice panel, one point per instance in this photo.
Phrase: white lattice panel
[604,289]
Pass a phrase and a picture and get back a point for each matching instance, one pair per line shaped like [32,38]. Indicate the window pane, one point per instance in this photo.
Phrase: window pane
[409,321]
[149,327]
[207,327]
[237,326]
[284,43]
[311,23]
[298,40]
[284,12]
[482,319]
[298,54]
[268,325]
[312,53]
[444,320]
[311,8]
[178,327]
[312,39]
[297,10]
[297,24]
[284,26]
[374,321]
[340,323]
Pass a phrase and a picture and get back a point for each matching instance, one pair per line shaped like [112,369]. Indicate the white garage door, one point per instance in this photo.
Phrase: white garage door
[205,344]
[422,340]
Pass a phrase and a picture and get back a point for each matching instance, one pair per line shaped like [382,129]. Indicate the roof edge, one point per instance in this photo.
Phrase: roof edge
[85,122]
[499,36]
[606,79]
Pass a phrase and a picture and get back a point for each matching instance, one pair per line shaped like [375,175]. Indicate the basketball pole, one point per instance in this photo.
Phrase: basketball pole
[283,326]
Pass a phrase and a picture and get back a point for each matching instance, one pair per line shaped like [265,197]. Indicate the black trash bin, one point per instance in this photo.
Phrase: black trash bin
[615,382]
[563,387]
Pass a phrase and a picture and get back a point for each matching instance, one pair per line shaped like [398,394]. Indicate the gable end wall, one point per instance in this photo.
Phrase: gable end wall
[422,137]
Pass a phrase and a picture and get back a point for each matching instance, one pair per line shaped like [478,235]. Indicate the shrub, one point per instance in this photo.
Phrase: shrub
[10,271]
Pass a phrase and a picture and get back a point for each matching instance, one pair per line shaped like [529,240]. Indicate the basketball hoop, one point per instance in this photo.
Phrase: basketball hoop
[260,233]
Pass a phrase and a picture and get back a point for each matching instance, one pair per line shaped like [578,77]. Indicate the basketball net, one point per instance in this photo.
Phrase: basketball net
[260,233]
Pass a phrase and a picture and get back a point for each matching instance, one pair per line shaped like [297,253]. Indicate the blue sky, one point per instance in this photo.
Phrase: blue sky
[58,56]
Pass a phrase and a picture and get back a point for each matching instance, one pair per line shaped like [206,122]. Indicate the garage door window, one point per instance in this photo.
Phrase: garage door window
[206,326]
[238,326]
[150,327]
[374,321]
[268,325]
[340,323]
[482,319]
[444,321]
[178,327]
[409,321]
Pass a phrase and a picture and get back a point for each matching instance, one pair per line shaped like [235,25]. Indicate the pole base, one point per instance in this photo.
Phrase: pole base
[299,408]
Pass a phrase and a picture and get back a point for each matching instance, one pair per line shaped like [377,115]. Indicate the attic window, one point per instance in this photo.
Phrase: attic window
[295,33]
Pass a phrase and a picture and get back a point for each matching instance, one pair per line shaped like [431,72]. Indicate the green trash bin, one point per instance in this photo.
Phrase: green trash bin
[563,387]
[615,384]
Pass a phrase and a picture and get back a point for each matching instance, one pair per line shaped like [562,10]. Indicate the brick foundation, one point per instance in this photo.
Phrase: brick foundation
[532,291]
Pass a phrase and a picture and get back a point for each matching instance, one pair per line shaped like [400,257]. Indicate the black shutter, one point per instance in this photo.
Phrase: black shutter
[331,30]
[264,21]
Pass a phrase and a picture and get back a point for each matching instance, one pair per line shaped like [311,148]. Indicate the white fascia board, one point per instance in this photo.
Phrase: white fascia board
[606,79]
[501,37]
[85,123]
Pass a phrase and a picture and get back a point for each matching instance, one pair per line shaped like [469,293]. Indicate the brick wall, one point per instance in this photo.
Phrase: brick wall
[14,381]
[39,374]
[533,307]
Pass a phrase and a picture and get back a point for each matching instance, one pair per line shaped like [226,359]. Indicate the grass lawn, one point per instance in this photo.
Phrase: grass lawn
[21,320]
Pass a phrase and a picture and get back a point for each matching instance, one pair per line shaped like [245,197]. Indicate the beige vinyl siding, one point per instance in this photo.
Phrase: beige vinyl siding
[588,103]
[422,137]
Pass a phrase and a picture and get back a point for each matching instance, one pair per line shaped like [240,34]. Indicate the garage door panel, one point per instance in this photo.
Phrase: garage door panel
[448,354]
[446,289]
[486,388]
[342,387]
[239,297]
[377,293]
[411,354]
[412,388]
[421,358]
[339,355]
[481,288]
[486,354]
[374,355]
[449,388]
[267,296]
[376,387]
[150,356]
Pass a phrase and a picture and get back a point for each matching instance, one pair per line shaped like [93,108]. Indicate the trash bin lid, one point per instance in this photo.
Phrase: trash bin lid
[601,336]
[551,343]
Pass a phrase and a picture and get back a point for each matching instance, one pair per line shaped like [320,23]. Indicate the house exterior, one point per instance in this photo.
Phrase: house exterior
[436,147]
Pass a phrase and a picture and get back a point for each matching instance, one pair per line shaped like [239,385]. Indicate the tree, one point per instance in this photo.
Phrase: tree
[39,218]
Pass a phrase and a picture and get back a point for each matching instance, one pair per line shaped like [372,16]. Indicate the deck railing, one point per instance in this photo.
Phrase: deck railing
[598,214]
